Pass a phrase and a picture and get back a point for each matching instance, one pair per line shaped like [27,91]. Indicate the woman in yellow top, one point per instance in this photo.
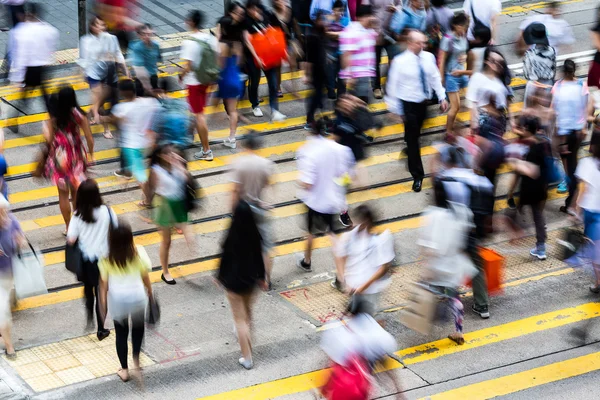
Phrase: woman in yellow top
[124,279]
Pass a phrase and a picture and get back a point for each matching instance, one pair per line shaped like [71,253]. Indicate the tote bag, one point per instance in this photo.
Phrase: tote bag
[28,273]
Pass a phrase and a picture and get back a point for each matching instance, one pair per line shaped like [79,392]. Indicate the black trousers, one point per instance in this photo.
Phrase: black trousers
[137,336]
[573,144]
[90,278]
[414,115]
[315,101]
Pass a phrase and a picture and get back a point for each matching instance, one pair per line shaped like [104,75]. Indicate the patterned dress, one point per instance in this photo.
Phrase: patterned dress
[67,157]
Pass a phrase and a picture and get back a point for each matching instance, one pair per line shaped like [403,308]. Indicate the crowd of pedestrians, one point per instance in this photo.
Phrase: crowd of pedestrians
[434,54]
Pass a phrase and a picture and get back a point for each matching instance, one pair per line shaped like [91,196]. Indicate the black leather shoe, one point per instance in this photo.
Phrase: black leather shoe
[417,185]
[171,282]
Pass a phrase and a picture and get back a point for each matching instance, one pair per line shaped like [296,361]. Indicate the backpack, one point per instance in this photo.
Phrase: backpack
[478,26]
[481,201]
[352,382]
[539,63]
[174,123]
[208,69]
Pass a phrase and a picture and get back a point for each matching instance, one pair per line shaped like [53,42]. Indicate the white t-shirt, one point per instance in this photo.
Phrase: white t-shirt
[169,185]
[366,254]
[481,88]
[191,51]
[136,117]
[484,11]
[93,238]
[570,100]
[588,170]
[558,30]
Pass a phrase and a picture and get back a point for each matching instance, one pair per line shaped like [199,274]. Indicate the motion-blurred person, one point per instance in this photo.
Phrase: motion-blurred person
[326,7]
[125,290]
[33,45]
[363,261]
[594,72]
[532,170]
[588,204]
[560,33]
[173,123]
[242,269]
[11,239]
[383,11]
[167,193]
[251,176]
[257,20]
[15,9]
[192,52]
[570,100]
[357,45]
[90,228]
[439,17]
[412,78]
[452,63]
[411,16]
[120,19]
[283,12]
[134,117]
[321,163]
[443,241]
[539,64]
[333,29]
[99,57]
[478,46]
[67,160]
[315,69]
[231,86]
[483,14]
[144,55]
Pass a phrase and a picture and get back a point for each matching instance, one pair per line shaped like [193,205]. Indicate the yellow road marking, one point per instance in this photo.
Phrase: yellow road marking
[426,352]
[523,380]
[535,6]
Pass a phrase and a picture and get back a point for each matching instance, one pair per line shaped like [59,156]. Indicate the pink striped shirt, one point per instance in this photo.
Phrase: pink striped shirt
[360,43]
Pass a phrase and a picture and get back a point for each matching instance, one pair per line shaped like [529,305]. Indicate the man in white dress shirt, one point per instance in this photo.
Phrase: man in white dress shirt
[412,78]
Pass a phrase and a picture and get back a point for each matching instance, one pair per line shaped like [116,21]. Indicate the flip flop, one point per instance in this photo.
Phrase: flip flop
[108,135]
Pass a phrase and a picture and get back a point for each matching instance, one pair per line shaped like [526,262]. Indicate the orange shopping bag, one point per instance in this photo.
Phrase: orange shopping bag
[270,47]
[493,265]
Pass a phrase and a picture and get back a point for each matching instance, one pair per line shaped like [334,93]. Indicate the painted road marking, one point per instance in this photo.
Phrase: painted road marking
[523,380]
[425,352]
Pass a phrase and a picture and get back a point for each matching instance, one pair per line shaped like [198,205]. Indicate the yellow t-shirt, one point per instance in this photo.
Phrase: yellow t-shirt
[128,275]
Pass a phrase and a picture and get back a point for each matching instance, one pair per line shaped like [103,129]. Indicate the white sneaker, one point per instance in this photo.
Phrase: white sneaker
[276,116]
[257,112]
[229,143]
[202,155]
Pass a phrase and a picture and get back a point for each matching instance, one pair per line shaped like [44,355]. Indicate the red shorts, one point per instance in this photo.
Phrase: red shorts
[197,97]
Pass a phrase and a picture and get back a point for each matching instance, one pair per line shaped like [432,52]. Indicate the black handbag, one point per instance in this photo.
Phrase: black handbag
[74,259]
[153,312]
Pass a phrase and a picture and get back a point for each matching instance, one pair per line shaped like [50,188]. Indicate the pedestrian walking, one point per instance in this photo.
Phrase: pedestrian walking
[89,229]
[11,239]
[321,164]
[134,117]
[198,52]
[315,73]
[363,262]
[32,51]
[283,12]
[67,159]
[144,56]
[326,7]
[99,57]
[412,78]
[483,16]
[588,205]
[251,177]
[444,240]
[167,192]
[125,290]
[594,71]
[411,16]
[570,100]
[452,63]
[357,45]
[333,28]
[258,20]
[16,10]
[539,64]
[241,271]
[173,123]
[439,17]
[558,30]
[533,172]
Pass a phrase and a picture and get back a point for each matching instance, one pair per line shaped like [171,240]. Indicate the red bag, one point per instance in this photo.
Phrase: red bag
[348,383]
[270,47]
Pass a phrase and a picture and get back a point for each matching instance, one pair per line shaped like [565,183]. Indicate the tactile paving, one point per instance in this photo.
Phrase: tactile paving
[322,303]
[70,361]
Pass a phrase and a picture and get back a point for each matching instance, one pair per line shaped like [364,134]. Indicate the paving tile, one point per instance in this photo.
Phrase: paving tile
[49,351]
[92,356]
[33,370]
[45,382]
[62,363]
[75,375]
[24,357]
[79,344]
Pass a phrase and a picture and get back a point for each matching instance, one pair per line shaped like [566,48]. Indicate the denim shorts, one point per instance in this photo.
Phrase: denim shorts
[455,83]
[591,222]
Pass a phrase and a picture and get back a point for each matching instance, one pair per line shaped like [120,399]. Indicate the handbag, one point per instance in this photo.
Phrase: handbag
[270,47]
[153,312]
[74,259]
[28,273]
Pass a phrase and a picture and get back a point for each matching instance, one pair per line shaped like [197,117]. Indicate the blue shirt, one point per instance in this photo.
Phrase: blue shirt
[407,18]
[145,56]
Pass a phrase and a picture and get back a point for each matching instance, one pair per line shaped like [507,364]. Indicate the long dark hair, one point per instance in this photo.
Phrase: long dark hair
[506,76]
[121,249]
[88,199]
[61,106]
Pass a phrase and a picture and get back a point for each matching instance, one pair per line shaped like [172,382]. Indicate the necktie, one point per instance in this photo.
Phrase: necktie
[424,84]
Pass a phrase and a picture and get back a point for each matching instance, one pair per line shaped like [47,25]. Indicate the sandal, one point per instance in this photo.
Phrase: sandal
[459,340]
[108,135]
[143,204]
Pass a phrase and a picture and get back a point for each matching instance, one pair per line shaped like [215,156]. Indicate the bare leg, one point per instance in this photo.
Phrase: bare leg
[241,319]
[231,108]
[6,335]
[64,204]
[308,250]
[202,131]
[453,111]
[165,246]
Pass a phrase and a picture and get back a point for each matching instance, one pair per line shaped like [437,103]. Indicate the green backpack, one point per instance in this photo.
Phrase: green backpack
[208,70]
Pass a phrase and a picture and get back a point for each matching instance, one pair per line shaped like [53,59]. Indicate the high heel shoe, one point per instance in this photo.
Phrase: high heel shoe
[171,282]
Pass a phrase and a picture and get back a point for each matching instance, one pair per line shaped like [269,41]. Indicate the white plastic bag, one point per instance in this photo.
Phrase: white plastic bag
[28,273]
